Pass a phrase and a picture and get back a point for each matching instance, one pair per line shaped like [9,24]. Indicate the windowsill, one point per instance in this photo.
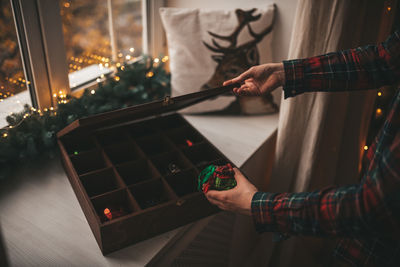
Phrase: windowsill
[13,104]
[87,75]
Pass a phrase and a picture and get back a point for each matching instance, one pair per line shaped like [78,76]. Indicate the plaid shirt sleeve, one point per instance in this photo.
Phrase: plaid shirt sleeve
[367,67]
[370,208]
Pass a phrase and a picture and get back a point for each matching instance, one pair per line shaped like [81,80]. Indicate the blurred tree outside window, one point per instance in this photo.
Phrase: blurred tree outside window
[13,89]
[99,35]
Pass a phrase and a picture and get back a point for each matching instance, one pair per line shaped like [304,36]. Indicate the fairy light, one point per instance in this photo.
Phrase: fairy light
[5,135]
[379,93]
[108,213]
[365,147]
[128,57]
[378,111]
[116,78]
[149,74]
[120,55]
[98,80]
[165,59]
[131,49]
[93,92]
[156,60]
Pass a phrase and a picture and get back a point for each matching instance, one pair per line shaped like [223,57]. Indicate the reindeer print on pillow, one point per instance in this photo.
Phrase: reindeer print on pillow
[207,47]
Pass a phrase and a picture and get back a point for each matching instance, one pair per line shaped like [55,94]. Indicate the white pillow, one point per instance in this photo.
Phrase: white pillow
[193,64]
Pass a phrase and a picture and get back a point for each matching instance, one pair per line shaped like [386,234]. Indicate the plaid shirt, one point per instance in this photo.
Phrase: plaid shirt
[367,215]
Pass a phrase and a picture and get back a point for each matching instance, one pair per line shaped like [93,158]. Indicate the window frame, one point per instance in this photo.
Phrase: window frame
[41,42]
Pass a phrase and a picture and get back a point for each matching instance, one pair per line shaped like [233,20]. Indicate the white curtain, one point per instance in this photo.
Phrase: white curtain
[321,135]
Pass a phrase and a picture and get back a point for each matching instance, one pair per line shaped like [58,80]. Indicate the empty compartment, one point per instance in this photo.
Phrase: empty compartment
[171,122]
[78,144]
[113,205]
[151,193]
[183,183]
[123,152]
[111,136]
[88,161]
[142,129]
[100,182]
[202,154]
[155,144]
[137,171]
[170,163]
[185,137]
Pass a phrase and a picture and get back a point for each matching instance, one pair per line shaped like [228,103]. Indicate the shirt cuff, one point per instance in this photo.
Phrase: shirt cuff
[294,77]
[262,205]
[261,210]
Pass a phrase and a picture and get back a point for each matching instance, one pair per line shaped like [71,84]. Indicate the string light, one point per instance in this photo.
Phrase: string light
[5,135]
[365,147]
[379,93]
[389,8]
[93,92]
[116,78]
[128,57]
[378,111]
[165,59]
[131,49]
[149,74]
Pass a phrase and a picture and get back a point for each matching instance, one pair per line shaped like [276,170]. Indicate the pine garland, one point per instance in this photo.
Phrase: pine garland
[31,133]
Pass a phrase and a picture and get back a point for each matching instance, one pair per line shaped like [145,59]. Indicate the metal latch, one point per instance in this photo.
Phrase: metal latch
[168,101]
[180,202]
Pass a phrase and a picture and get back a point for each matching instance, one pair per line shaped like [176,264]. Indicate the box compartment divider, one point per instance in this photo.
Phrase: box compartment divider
[152,193]
[89,161]
[101,181]
[135,172]
[116,201]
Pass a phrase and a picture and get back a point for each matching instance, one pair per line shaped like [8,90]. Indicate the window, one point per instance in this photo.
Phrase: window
[99,35]
[71,44]
[13,85]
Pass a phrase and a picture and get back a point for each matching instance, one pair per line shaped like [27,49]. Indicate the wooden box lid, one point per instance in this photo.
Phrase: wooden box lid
[142,111]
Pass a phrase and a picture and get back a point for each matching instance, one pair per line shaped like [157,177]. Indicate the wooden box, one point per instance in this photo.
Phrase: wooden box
[141,163]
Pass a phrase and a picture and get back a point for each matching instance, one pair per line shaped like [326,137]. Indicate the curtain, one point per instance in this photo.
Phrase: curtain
[321,135]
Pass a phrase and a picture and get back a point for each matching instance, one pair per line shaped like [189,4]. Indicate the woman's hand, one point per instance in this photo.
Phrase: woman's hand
[259,80]
[237,199]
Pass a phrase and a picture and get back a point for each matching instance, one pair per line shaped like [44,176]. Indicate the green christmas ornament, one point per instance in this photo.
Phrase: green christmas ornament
[216,178]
